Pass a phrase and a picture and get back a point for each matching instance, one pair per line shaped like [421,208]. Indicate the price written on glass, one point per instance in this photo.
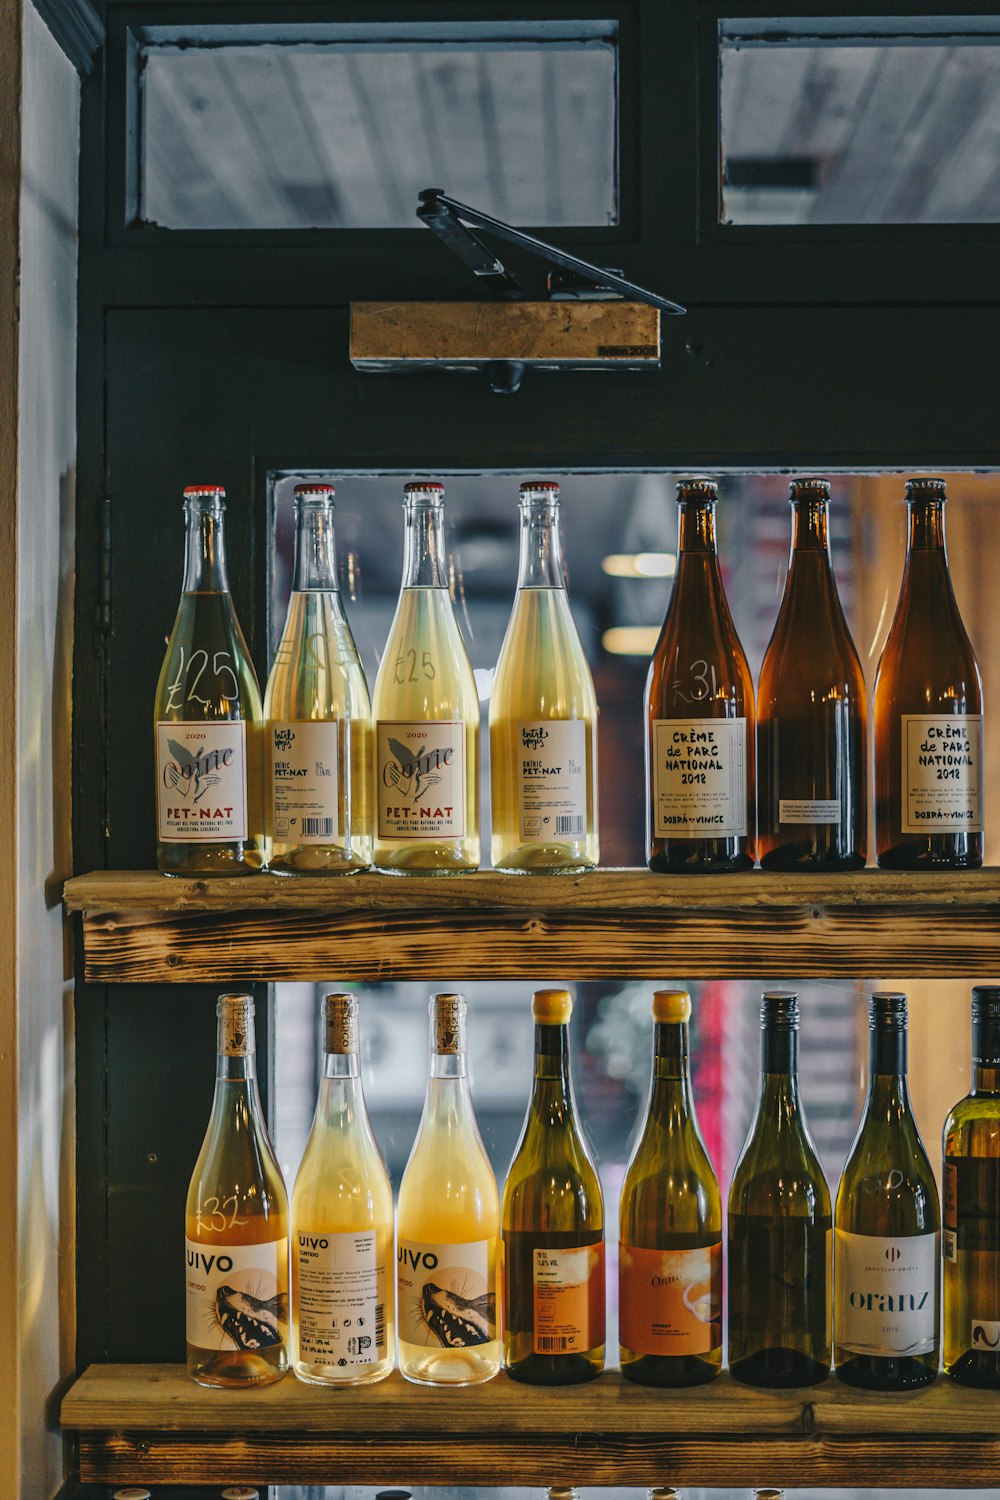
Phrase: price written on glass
[408,668]
[190,674]
[317,650]
[700,683]
[215,1215]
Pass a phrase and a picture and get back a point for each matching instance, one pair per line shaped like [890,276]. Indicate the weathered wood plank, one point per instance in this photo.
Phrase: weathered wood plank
[142,927]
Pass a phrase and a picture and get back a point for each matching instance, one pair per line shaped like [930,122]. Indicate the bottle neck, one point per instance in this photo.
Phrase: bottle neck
[779,1073]
[926,529]
[205,550]
[696,527]
[553,1087]
[671,1091]
[887,1085]
[315,549]
[986,1057]
[810,527]
[540,559]
[424,557]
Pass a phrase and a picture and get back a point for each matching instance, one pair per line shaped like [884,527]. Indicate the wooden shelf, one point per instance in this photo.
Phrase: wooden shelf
[141,926]
[149,1424]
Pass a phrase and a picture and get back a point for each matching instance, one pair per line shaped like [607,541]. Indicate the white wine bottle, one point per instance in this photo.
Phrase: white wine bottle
[317,714]
[448,1225]
[972,1209]
[543,713]
[670,1226]
[887,1274]
[207,716]
[343,1292]
[236,1226]
[426,712]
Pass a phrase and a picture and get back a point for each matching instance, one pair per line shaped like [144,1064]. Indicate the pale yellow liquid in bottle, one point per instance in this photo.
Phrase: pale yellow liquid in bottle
[317,677]
[542,675]
[425,676]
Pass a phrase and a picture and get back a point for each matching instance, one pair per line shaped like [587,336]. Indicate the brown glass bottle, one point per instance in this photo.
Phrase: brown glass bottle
[699,713]
[928,711]
[812,812]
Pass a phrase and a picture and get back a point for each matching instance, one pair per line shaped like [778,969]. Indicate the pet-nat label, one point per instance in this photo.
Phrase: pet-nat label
[552,779]
[421,779]
[201,782]
[568,1287]
[699,778]
[886,1302]
[446,1294]
[341,1298]
[304,789]
[670,1301]
[237,1295]
[942,766]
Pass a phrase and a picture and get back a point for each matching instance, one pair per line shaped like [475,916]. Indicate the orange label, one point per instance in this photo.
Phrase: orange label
[670,1301]
[568,1299]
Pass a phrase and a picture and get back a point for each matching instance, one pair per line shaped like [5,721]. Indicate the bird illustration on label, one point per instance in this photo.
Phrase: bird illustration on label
[411,773]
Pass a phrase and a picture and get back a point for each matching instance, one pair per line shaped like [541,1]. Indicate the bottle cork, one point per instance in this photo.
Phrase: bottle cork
[236,1034]
[340,1022]
[551,1007]
[671,1005]
[448,1014]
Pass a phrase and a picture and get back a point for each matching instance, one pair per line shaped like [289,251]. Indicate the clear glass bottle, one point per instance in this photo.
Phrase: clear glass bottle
[208,726]
[317,714]
[700,798]
[448,1225]
[426,714]
[543,713]
[670,1225]
[780,1225]
[928,711]
[343,1293]
[236,1226]
[972,1208]
[553,1223]
[812,810]
[886,1266]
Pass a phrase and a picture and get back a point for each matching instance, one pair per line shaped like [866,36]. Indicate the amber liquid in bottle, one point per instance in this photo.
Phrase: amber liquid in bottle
[699,713]
[811,707]
[928,711]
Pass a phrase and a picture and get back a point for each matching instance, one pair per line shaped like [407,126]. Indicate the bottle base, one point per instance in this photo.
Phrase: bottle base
[539,1369]
[314,1375]
[235,1371]
[884,1373]
[282,867]
[976,1368]
[665,864]
[779,1369]
[791,858]
[670,1371]
[923,856]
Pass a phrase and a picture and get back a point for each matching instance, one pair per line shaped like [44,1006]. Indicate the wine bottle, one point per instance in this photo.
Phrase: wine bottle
[543,713]
[670,1226]
[811,712]
[236,1226]
[972,1208]
[700,813]
[317,714]
[780,1225]
[887,1277]
[448,1226]
[553,1223]
[928,711]
[343,1329]
[208,725]
[426,713]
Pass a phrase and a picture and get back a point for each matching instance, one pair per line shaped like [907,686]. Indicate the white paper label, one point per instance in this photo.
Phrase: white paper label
[421,779]
[237,1295]
[341,1298]
[447,1293]
[885,1302]
[700,778]
[822,811]
[552,779]
[942,762]
[304,787]
[984,1335]
[201,782]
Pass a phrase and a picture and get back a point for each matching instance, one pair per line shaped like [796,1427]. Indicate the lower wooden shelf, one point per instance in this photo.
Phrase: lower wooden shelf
[149,1424]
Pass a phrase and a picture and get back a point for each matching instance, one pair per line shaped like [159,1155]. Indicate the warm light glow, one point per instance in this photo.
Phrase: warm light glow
[630,640]
[640,564]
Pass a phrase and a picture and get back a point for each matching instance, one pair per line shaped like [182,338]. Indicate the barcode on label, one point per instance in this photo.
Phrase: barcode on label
[551,1343]
[569,824]
[380,1325]
[314,828]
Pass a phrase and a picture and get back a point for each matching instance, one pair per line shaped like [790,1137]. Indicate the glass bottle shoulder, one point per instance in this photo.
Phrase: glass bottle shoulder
[317,672]
[779,1171]
[673,1165]
[811,639]
[698,661]
[972,1127]
[542,668]
[888,1177]
[207,672]
[425,672]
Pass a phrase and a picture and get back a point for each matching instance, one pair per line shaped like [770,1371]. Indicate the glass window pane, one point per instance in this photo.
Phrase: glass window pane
[878,122]
[344,133]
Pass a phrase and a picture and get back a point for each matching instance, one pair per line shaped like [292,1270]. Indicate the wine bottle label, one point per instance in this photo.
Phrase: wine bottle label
[670,1300]
[942,763]
[201,782]
[971,1214]
[304,780]
[886,1301]
[699,778]
[568,1288]
[552,779]
[822,810]
[421,779]
[340,1303]
[237,1295]
[446,1293]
